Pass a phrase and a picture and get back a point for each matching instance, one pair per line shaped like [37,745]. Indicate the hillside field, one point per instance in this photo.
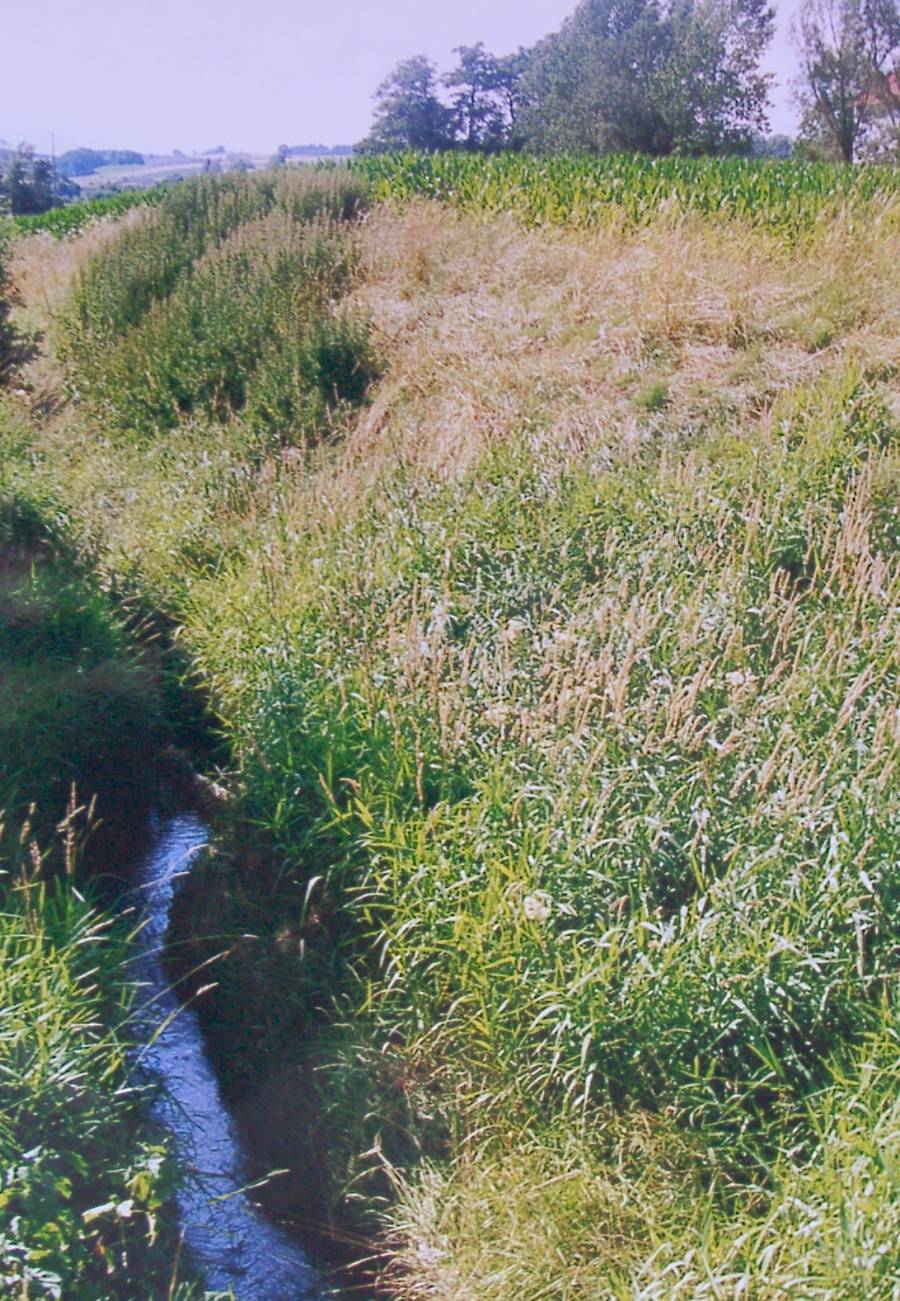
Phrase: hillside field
[532,530]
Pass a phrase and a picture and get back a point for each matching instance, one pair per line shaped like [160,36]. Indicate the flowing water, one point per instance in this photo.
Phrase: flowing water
[231,1240]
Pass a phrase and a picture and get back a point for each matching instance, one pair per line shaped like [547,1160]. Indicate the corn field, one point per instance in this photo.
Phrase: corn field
[789,197]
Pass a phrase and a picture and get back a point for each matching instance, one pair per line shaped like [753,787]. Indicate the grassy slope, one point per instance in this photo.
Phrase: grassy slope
[85,1186]
[563,694]
[85,1189]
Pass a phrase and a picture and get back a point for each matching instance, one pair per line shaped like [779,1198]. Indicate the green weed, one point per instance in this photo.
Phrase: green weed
[85,1187]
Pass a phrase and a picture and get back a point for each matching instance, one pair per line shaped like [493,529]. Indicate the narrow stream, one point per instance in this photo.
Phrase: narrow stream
[234,1244]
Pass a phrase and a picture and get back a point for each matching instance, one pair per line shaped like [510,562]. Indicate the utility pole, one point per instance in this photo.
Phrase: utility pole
[53,166]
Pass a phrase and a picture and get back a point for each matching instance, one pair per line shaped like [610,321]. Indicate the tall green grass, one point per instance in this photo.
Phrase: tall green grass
[80,704]
[223,302]
[85,1187]
[608,832]
[586,782]
[789,197]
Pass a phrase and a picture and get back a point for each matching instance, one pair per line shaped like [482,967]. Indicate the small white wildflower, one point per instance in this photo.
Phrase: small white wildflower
[740,678]
[515,629]
[537,906]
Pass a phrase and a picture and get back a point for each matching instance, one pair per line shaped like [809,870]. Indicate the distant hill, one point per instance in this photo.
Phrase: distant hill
[84,162]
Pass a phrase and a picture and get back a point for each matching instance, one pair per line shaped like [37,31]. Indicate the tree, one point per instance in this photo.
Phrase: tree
[29,183]
[651,76]
[588,86]
[847,87]
[485,100]
[84,162]
[774,146]
[408,112]
[881,26]
[711,91]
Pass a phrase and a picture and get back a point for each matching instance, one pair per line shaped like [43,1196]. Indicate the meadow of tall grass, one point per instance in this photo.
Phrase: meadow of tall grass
[558,671]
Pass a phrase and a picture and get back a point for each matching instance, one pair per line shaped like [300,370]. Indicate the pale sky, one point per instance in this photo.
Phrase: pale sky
[250,74]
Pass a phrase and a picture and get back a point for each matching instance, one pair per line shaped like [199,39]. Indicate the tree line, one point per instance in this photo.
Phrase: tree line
[657,77]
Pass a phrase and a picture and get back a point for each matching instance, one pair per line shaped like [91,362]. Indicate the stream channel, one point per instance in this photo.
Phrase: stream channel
[236,1247]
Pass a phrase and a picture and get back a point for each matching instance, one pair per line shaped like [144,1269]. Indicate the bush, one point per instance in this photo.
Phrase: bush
[303,380]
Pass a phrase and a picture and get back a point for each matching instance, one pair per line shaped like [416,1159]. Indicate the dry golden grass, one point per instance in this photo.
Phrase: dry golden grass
[44,266]
[600,340]
[571,341]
